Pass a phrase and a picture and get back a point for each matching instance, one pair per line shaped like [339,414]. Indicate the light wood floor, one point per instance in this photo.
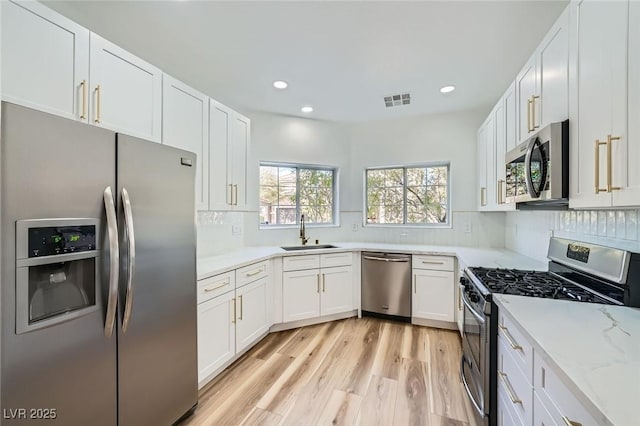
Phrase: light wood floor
[350,372]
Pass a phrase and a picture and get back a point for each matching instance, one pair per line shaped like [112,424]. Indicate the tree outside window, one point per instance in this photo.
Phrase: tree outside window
[287,191]
[408,195]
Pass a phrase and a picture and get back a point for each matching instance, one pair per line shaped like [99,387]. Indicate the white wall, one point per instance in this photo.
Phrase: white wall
[352,147]
[528,232]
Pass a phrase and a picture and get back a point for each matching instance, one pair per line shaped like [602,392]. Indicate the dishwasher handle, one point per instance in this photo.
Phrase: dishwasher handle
[386,259]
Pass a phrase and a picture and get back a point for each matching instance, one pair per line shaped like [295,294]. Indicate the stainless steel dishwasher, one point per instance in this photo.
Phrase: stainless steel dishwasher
[386,285]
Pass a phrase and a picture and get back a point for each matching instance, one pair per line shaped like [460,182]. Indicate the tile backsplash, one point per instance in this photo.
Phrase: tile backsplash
[219,232]
[528,232]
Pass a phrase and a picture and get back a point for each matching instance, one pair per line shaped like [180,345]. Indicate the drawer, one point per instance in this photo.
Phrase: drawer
[514,385]
[299,263]
[438,263]
[559,401]
[521,350]
[251,273]
[506,413]
[216,285]
[336,259]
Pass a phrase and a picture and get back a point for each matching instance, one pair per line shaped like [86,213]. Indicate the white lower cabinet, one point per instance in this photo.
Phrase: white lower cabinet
[216,334]
[530,391]
[231,322]
[251,313]
[434,288]
[309,291]
[337,290]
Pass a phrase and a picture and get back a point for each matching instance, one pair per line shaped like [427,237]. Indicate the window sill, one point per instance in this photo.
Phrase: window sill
[330,225]
[410,226]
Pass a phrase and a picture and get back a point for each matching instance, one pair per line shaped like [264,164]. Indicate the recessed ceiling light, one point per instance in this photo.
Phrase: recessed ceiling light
[306,109]
[279,84]
[447,89]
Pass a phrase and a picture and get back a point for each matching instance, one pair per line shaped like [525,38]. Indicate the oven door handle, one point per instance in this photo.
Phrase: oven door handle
[477,406]
[479,317]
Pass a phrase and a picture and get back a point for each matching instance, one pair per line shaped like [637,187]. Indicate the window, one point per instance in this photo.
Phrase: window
[408,195]
[288,191]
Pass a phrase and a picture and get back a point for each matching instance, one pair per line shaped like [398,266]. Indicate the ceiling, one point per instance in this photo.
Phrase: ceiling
[340,57]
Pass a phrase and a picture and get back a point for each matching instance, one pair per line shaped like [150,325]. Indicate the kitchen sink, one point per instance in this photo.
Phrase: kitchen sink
[313,247]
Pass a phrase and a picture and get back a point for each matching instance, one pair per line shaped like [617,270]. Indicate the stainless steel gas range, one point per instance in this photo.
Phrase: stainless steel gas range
[578,271]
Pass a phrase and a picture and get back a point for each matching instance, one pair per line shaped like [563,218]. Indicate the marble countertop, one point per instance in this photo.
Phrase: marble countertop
[595,347]
[468,256]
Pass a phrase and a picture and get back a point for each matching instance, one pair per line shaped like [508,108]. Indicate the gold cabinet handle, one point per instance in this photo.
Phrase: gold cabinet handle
[533,112]
[415,284]
[529,128]
[569,422]
[318,278]
[98,92]
[235,194]
[507,385]
[324,290]
[509,338]
[254,272]
[83,85]
[597,167]
[432,262]
[610,186]
[483,196]
[216,286]
[233,301]
[241,308]
[230,202]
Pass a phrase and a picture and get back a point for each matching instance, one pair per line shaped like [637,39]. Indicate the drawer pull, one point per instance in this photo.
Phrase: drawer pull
[215,287]
[507,385]
[431,262]
[509,338]
[252,273]
[233,301]
[570,422]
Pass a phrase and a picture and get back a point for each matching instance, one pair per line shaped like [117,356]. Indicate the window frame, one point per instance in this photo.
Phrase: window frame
[334,190]
[404,167]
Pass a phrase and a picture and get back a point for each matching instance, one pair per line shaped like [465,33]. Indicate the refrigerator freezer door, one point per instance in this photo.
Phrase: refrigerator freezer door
[56,168]
[157,356]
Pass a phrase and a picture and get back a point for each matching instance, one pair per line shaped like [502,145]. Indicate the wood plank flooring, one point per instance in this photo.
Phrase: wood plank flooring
[351,372]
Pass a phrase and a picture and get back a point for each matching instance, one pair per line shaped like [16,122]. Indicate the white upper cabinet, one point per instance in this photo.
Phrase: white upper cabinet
[126,92]
[220,124]
[510,120]
[185,125]
[241,137]
[486,165]
[542,86]
[599,112]
[626,172]
[45,60]
[229,139]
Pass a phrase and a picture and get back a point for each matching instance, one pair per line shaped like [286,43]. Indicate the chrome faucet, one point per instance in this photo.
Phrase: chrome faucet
[303,236]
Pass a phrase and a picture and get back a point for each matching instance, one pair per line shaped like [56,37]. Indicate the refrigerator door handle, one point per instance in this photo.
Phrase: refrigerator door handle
[128,223]
[114,261]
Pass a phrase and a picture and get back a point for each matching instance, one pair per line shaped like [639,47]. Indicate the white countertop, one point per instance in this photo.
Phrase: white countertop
[597,348]
[490,258]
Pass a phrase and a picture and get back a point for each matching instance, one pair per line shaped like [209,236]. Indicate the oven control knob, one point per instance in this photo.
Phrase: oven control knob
[474,297]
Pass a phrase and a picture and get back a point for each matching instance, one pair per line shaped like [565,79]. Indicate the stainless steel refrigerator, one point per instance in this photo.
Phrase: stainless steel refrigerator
[98,275]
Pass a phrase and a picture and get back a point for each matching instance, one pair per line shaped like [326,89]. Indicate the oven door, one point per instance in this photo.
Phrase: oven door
[472,364]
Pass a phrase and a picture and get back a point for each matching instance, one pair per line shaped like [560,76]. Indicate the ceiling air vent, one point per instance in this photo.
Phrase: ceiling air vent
[397,100]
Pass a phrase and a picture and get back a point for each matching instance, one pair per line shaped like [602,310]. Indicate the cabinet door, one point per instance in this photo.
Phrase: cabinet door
[126,92]
[602,106]
[526,89]
[216,334]
[626,151]
[481,156]
[251,313]
[300,295]
[337,290]
[433,295]
[553,64]
[241,134]
[220,189]
[185,125]
[500,146]
[510,119]
[45,60]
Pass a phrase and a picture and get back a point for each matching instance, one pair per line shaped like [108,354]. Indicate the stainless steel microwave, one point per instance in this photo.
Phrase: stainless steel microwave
[537,170]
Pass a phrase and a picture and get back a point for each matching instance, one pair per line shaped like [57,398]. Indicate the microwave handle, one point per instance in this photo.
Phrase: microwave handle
[527,168]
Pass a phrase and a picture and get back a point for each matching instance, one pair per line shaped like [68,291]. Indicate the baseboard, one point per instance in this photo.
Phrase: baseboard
[312,321]
[434,323]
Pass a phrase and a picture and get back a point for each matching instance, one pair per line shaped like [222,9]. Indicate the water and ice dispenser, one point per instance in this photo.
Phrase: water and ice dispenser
[57,263]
